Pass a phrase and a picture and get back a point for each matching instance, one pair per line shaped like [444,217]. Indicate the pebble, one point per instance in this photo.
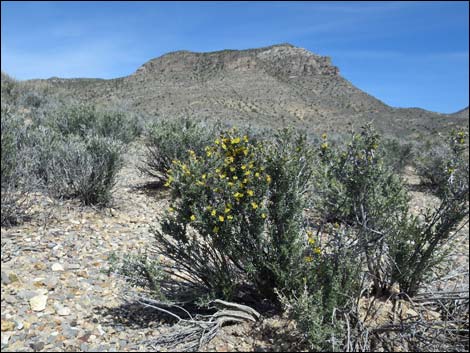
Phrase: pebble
[37,346]
[39,302]
[57,267]
[7,325]
[5,338]
[5,278]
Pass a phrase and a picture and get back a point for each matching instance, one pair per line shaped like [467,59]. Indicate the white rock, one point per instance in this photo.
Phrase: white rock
[57,267]
[38,303]
[5,338]
[62,310]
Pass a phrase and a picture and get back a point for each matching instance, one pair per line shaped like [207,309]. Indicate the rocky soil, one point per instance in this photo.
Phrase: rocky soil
[56,295]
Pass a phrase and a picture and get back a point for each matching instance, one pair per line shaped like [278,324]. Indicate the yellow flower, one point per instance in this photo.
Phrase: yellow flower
[324,145]
[217,141]
[250,165]
[214,212]
[204,176]
[215,229]
[171,209]
[268,178]
[317,251]
[245,180]
[235,177]
[230,184]
[254,205]
[229,217]
[238,195]
[250,192]
[200,183]
[336,225]
[224,146]
[247,172]
[323,136]
[217,170]
[193,217]
[208,207]
[208,153]
[235,140]
[221,218]
[243,167]
[311,241]
[257,174]
[245,151]
[308,259]
[245,138]
[227,210]
[263,215]
[232,169]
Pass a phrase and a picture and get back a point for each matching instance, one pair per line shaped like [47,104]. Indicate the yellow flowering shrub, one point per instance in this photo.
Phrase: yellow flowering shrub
[243,200]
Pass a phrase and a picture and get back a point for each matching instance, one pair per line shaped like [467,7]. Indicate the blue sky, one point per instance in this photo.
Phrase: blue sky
[408,54]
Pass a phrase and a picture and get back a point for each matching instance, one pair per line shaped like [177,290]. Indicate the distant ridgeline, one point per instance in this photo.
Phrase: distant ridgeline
[273,86]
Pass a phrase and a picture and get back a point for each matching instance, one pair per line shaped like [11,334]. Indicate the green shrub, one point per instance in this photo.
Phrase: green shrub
[396,154]
[440,160]
[332,284]
[354,184]
[231,221]
[168,140]
[419,245]
[355,187]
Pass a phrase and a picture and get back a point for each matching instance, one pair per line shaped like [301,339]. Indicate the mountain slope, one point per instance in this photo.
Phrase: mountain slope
[277,85]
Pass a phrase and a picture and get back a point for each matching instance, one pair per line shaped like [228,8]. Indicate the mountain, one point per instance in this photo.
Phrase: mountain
[275,86]
[461,114]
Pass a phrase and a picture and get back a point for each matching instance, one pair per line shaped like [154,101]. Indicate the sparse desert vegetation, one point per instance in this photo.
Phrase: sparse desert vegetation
[123,229]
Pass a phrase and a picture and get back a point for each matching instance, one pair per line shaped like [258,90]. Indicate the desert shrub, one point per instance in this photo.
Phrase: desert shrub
[396,154]
[231,221]
[355,187]
[83,168]
[419,245]
[168,140]
[353,184]
[439,160]
[84,120]
[138,270]
[332,284]
[14,170]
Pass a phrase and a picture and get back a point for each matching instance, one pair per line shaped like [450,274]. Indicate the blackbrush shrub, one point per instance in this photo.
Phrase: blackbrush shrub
[168,140]
[231,221]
